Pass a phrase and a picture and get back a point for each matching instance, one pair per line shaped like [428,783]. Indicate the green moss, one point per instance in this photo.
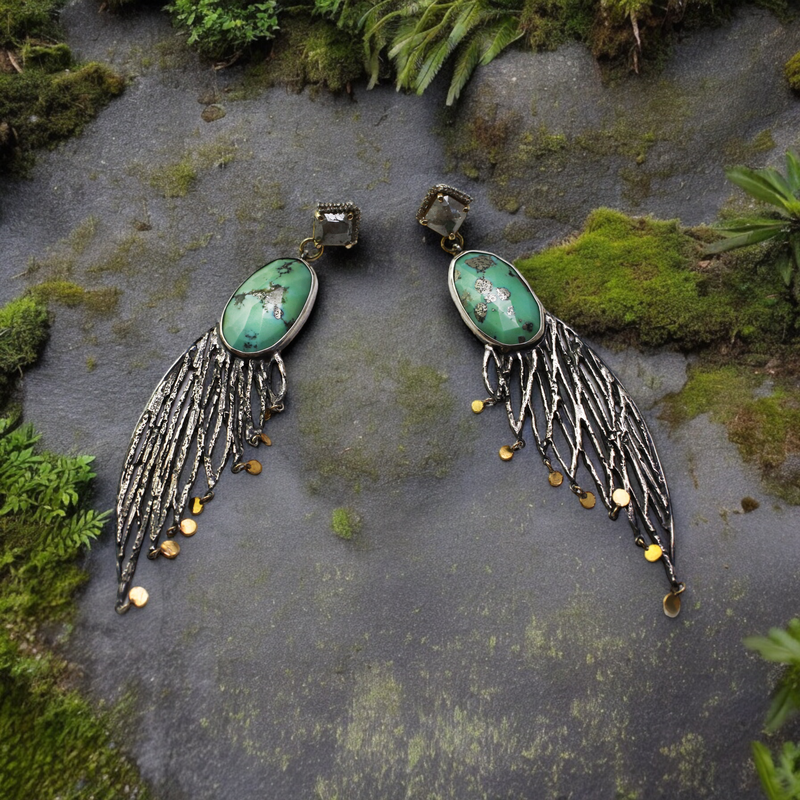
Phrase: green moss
[639,280]
[52,742]
[23,19]
[345,523]
[50,58]
[24,329]
[43,109]
[792,72]
[121,257]
[174,180]
[177,178]
[307,52]
[766,429]
[99,301]
[738,151]
[550,23]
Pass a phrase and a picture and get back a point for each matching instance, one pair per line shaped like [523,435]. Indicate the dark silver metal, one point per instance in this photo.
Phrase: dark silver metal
[581,415]
[199,416]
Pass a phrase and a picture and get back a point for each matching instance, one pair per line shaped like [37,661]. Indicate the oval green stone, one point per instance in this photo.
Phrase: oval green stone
[269,308]
[495,298]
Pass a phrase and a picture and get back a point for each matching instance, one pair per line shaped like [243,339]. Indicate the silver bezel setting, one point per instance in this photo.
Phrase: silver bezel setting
[339,208]
[486,339]
[296,326]
[433,194]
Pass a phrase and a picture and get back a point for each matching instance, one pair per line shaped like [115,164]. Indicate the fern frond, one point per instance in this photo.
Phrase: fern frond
[468,58]
[500,37]
[471,15]
[432,65]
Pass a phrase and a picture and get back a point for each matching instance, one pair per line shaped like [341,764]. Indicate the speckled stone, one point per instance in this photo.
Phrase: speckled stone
[263,310]
[495,298]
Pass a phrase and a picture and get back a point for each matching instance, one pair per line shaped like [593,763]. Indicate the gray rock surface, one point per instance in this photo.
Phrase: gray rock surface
[484,636]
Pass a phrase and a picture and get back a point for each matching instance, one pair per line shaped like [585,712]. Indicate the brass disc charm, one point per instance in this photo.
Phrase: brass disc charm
[265,439]
[170,548]
[253,467]
[197,506]
[621,498]
[138,596]
[672,605]
[555,478]
[477,406]
[506,453]
[653,552]
[188,527]
[588,500]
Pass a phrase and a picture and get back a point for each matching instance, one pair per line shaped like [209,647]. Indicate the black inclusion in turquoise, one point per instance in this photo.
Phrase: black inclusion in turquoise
[496,298]
[266,306]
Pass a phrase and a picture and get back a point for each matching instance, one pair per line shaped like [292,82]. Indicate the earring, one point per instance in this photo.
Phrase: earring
[215,399]
[579,412]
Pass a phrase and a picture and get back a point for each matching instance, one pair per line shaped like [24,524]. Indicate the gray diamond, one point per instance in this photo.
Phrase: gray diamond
[446,215]
[335,228]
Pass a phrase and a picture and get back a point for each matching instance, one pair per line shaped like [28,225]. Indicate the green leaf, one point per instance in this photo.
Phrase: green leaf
[432,65]
[470,16]
[468,58]
[778,646]
[785,267]
[765,767]
[784,705]
[778,182]
[755,184]
[793,170]
[742,240]
[750,224]
[505,34]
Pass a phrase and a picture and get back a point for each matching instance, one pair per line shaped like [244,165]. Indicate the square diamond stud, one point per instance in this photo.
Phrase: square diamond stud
[444,209]
[336,224]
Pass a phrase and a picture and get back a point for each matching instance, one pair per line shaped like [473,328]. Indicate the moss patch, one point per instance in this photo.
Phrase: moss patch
[792,72]
[177,178]
[639,280]
[24,329]
[40,109]
[52,741]
[345,523]
[765,428]
[99,301]
[307,52]
[393,420]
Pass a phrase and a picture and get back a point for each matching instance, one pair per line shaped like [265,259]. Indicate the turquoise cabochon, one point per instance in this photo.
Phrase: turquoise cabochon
[495,301]
[267,311]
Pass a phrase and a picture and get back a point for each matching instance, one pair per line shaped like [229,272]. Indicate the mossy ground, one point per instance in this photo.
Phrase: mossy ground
[24,327]
[792,72]
[307,51]
[646,282]
[345,523]
[53,744]
[764,425]
[40,108]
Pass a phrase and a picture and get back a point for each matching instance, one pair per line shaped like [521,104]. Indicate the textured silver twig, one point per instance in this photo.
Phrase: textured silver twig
[581,415]
[206,407]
